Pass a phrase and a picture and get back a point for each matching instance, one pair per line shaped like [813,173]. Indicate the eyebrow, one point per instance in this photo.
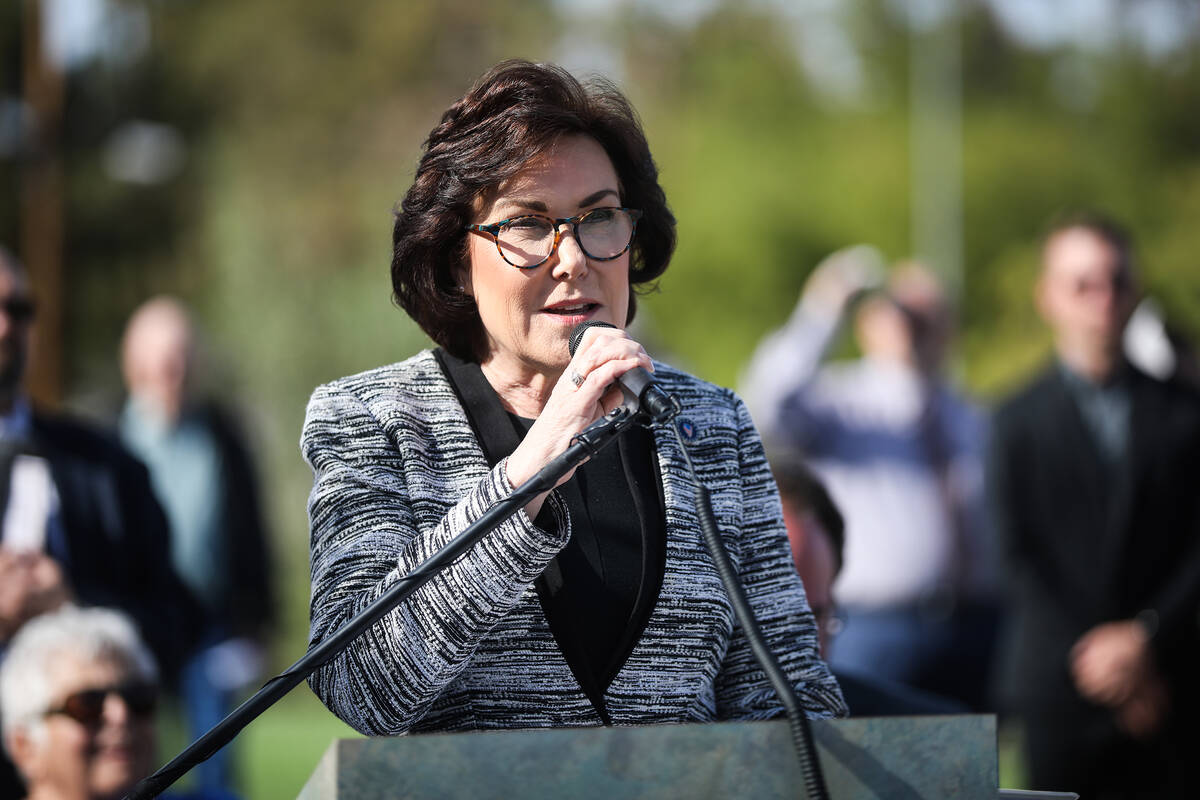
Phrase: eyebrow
[538,205]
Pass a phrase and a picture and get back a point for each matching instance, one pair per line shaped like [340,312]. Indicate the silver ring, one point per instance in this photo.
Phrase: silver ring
[577,379]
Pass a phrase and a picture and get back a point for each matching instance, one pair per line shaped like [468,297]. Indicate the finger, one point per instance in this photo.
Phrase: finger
[612,400]
[594,359]
[604,376]
[604,344]
[599,333]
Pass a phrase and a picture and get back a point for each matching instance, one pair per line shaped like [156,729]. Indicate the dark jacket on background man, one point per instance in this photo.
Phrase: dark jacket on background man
[117,549]
[1093,540]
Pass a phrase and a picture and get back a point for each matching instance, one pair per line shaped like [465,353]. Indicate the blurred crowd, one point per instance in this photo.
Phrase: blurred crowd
[1040,559]
[155,528]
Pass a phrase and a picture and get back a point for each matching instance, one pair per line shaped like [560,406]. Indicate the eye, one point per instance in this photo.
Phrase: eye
[527,224]
[600,216]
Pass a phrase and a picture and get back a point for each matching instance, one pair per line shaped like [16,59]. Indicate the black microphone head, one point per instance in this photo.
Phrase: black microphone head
[578,331]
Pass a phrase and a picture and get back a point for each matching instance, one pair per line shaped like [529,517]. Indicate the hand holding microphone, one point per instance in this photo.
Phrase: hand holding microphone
[638,385]
[610,371]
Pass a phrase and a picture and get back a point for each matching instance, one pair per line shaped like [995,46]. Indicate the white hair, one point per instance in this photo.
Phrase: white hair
[87,634]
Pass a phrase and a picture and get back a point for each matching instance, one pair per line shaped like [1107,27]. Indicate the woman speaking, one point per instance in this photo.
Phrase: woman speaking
[536,207]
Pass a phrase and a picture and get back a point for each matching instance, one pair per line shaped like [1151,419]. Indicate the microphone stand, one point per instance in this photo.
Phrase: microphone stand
[586,444]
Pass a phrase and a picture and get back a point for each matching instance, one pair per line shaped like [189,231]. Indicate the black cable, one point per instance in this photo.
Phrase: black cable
[806,751]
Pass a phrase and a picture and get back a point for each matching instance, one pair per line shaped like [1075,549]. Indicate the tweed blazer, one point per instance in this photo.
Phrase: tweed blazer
[398,471]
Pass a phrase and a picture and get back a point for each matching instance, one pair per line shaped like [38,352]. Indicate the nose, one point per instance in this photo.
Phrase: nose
[116,712]
[570,260]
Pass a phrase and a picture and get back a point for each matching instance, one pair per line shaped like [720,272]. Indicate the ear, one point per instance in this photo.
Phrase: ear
[22,749]
[462,278]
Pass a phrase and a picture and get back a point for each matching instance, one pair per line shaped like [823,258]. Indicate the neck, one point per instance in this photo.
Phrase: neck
[43,792]
[1095,363]
[522,391]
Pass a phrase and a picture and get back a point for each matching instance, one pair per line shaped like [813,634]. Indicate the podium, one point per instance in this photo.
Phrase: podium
[899,758]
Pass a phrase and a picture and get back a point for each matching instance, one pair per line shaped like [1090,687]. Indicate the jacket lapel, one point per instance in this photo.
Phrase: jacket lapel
[1073,450]
[688,574]
[1145,417]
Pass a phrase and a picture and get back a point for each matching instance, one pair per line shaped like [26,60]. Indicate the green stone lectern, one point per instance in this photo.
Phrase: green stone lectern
[898,758]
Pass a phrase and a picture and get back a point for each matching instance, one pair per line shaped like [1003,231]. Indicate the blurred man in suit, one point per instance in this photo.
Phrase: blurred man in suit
[1093,471]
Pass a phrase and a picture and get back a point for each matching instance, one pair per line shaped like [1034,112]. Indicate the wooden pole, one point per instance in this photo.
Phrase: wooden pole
[42,226]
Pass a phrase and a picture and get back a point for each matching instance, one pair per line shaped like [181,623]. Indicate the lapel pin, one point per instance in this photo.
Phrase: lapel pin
[687,428]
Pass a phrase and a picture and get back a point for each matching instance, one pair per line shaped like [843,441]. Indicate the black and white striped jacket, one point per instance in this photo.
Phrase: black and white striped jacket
[398,472]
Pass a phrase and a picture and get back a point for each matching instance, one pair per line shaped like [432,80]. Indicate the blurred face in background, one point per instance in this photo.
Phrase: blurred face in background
[156,357]
[908,323]
[815,561]
[88,759]
[1086,293]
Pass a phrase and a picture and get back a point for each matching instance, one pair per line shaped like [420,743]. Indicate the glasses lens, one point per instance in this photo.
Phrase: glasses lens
[85,707]
[18,309]
[140,698]
[526,241]
[605,232]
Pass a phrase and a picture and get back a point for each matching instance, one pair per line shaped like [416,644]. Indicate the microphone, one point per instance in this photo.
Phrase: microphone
[637,384]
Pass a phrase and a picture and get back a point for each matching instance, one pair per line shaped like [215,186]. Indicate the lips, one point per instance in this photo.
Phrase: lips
[571,309]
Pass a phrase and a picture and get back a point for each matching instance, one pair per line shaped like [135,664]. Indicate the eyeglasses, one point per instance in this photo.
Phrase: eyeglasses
[87,706]
[18,309]
[830,619]
[528,241]
[1119,284]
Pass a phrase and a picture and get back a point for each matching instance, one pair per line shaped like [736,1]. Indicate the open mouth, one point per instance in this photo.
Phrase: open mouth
[572,310]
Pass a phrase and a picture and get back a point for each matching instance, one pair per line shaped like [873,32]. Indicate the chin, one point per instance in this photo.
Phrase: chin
[114,776]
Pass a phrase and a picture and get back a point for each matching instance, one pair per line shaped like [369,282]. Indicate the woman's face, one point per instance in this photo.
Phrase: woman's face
[78,759]
[528,314]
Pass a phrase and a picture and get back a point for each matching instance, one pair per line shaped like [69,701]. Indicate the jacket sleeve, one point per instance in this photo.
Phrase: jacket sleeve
[777,380]
[774,590]
[1174,608]
[364,537]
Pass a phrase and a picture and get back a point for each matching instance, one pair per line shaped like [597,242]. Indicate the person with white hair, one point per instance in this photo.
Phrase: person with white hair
[79,521]
[78,690]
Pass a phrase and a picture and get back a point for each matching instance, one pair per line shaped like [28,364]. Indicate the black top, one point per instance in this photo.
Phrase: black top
[599,591]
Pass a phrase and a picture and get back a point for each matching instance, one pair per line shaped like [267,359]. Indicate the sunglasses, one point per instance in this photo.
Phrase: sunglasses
[87,706]
[18,309]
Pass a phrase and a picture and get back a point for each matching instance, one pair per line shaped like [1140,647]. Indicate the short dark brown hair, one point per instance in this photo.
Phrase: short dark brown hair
[798,484]
[515,112]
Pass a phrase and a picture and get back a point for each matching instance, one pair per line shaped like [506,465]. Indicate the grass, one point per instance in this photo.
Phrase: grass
[276,753]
